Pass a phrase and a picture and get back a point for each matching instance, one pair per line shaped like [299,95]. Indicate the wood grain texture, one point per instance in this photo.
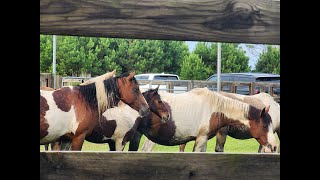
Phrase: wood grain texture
[135,165]
[241,21]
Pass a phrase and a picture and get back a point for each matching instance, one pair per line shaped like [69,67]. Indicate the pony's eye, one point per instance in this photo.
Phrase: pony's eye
[159,101]
[136,90]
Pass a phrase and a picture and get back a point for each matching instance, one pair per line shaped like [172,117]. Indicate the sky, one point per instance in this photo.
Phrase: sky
[252,60]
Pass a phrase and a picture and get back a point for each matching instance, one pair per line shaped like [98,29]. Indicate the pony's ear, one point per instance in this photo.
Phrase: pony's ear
[267,108]
[114,72]
[131,75]
[156,89]
[264,110]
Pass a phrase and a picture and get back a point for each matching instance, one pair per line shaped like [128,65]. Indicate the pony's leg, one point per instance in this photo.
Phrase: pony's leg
[135,141]
[55,146]
[182,147]
[77,142]
[148,145]
[112,146]
[260,148]
[221,137]
[65,145]
[46,147]
[201,144]
[119,146]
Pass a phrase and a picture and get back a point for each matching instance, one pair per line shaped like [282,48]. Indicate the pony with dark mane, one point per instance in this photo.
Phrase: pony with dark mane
[116,130]
[74,111]
[199,114]
[239,132]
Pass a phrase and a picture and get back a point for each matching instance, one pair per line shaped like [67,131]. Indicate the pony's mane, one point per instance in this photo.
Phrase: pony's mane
[146,94]
[101,92]
[256,104]
[101,95]
[231,108]
[101,78]
[90,94]
[251,100]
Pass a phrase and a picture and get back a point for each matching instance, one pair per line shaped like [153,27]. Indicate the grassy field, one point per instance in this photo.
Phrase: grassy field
[232,145]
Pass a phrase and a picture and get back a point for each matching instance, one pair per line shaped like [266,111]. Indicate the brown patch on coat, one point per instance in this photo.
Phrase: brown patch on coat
[107,126]
[86,116]
[105,129]
[62,98]
[219,120]
[163,131]
[44,107]
[130,134]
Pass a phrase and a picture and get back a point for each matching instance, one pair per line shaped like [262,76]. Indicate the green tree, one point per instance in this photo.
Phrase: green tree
[233,57]
[75,55]
[46,56]
[269,60]
[204,50]
[193,68]
[174,53]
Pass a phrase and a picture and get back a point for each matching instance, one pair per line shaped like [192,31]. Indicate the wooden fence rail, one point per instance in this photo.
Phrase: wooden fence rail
[241,21]
[137,165]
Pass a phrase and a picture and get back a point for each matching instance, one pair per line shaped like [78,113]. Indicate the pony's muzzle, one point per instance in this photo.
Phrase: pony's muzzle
[164,119]
[270,148]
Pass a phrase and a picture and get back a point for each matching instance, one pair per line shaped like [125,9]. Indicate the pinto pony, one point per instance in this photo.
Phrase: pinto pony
[120,123]
[199,114]
[239,132]
[74,111]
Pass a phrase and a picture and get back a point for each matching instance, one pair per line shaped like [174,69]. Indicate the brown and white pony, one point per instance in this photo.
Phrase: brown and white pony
[46,146]
[119,124]
[74,111]
[239,132]
[199,114]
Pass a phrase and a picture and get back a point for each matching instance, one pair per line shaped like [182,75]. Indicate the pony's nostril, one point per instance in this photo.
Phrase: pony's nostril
[274,148]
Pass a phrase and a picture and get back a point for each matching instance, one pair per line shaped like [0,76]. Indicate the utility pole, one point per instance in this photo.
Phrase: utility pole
[54,62]
[219,67]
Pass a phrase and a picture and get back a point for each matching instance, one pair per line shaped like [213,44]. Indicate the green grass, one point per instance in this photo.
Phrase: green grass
[232,145]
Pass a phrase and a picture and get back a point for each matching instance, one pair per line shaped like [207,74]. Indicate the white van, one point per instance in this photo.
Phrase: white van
[159,77]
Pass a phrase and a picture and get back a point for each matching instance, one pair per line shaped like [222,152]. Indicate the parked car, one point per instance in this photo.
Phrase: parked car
[159,77]
[248,77]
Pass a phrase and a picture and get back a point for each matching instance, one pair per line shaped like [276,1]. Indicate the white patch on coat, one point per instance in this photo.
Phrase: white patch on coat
[60,122]
[125,118]
[192,110]
[271,137]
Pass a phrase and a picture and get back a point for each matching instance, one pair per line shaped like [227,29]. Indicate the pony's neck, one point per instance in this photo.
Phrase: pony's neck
[219,120]
[231,108]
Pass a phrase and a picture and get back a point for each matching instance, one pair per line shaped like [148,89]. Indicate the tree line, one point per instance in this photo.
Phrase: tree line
[96,55]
